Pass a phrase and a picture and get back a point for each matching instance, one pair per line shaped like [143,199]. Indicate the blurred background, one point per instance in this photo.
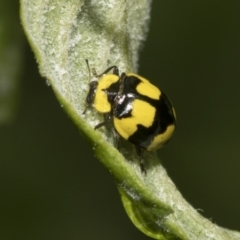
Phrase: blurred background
[51,189]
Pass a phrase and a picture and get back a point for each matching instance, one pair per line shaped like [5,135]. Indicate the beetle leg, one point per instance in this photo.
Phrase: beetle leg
[100,125]
[107,117]
[114,68]
[84,111]
[141,159]
[116,137]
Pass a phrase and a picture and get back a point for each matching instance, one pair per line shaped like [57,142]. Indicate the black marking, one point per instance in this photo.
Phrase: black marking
[111,92]
[122,107]
[130,85]
[164,117]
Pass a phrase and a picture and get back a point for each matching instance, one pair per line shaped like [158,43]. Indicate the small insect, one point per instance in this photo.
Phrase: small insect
[140,112]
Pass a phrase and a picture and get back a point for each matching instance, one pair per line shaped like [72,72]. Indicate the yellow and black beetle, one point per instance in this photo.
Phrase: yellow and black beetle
[140,112]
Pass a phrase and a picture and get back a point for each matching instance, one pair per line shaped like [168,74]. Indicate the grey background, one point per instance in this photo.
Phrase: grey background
[52,189]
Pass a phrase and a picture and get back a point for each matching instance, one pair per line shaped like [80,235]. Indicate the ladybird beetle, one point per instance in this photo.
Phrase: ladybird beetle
[140,112]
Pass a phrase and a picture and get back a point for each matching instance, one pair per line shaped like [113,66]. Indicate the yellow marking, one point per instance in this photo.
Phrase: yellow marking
[142,113]
[146,88]
[107,80]
[160,139]
[101,103]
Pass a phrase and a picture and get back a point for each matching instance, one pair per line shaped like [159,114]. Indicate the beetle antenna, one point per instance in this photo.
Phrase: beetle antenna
[89,71]
[89,79]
